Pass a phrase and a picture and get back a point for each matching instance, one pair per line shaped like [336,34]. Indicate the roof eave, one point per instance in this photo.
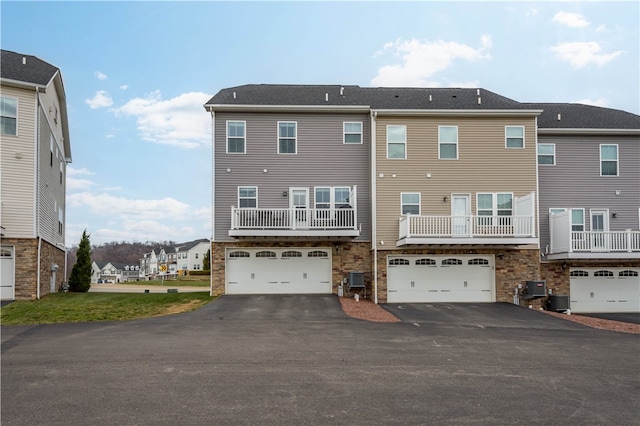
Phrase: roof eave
[288,108]
[22,84]
[577,131]
[467,112]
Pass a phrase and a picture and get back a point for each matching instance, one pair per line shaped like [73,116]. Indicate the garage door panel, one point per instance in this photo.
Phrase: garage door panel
[279,271]
[604,290]
[440,278]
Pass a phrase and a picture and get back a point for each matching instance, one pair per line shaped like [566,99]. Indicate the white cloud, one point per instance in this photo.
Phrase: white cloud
[572,20]
[74,184]
[580,54]
[421,60]
[601,28]
[101,99]
[124,87]
[72,171]
[468,84]
[601,102]
[181,121]
[531,12]
[100,76]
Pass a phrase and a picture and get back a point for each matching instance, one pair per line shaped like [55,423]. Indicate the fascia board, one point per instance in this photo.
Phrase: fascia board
[18,83]
[627,132]
[466,112]
[288,108]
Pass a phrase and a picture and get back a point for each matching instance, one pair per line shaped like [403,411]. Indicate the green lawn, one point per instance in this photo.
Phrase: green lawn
[205,282]
[83,307]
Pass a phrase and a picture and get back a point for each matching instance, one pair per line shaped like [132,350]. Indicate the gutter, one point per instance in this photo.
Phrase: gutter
[292,108]
[466,112]
[622,132]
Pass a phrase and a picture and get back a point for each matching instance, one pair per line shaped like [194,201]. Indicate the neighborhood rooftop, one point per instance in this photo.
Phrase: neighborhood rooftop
[26,68]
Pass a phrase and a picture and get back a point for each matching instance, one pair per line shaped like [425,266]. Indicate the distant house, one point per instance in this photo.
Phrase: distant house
[36,148]
[114,272]
[174,260]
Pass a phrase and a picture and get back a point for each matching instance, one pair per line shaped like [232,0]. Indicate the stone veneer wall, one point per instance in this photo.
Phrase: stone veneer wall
[26,266]
[346,256]
[513,267]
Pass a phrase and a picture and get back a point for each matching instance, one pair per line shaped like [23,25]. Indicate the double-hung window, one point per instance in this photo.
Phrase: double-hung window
[547,154]
[494,205]
[396,142]
[514,136]
[8,116]
[410,203]
[247,196]
[448,142]
[328,199]
[608,160]
[352,132]
[287,137]
[577,220]
[236,137]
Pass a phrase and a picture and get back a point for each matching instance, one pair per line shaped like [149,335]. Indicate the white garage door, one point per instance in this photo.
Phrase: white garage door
[278,270]
[440,278]
[600,290]
[7,268]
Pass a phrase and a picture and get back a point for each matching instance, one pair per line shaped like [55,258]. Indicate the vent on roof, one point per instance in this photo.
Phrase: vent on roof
[234,95]
[479,100]
[430,98]
[24,60]
[559,117]
[342,91]
[478,92]
[326,97]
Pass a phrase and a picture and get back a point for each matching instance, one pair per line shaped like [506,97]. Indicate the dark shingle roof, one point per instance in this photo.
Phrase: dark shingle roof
[579,116]
[374,97]
[26,68]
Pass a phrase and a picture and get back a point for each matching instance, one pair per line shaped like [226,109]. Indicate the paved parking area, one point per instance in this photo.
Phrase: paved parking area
[299,360]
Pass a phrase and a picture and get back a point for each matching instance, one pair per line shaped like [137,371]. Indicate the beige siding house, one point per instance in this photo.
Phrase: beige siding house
[35,150]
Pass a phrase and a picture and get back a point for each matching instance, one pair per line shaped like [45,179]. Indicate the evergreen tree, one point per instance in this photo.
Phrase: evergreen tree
[206,261]
[80,279]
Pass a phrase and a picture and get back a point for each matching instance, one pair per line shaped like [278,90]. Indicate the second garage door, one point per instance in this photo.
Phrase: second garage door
[601,290]
[440,278]
[278,271]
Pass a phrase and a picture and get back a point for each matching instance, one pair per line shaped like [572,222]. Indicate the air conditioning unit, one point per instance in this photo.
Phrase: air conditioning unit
[558,303]
[534,289]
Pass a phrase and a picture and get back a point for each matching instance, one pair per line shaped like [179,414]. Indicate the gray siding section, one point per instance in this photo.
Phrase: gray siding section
[322,159]
[575,181]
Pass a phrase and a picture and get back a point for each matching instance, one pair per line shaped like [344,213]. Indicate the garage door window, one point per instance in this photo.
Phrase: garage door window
[478,262]
[236,254]
[579,274]
[291,253]
[628,274]
[603,274]
[397,262]
[318,253]
[426,262]
[452,262]
[266,253]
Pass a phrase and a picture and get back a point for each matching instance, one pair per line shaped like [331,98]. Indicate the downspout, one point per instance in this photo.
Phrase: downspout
[36,192]
[374,232]
[213,197]
[38,270]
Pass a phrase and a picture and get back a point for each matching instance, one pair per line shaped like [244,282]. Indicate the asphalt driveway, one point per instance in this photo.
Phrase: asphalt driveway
[299,360]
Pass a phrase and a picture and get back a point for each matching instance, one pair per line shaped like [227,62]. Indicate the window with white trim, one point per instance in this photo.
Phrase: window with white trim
[287,137]
[555,210]
[352,132]
[514,136]
[493,204]
[236,137]
[8,116]
[547,154]
[60,220]
[61,167]
[410,203]
[448,142]
[396,142]
[248,197]
[330,198]
[577,220]
[608,160]
[51,150]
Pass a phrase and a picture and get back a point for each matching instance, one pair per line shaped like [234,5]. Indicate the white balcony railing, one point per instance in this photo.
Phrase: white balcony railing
[308,219]
[472,226]
[605,241]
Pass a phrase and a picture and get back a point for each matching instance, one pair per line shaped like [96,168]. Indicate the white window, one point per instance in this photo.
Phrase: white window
[51,150]
[577,220]
[60,220]
[352,132]
[547,154]
[608,160]
[248,197]
[494,204]
[448,142]
[287,137]
[8,116]
[236,137]
[396,141]
[410,203]
[330,198]
[555,210]
[61,172]
[514,136]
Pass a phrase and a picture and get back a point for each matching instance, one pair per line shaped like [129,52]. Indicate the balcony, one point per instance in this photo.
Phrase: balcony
[298,222]
[568,244]
[469,229]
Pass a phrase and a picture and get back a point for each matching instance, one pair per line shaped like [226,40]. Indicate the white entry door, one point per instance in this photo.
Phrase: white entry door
[600,225]
[460,211]
[299,203]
